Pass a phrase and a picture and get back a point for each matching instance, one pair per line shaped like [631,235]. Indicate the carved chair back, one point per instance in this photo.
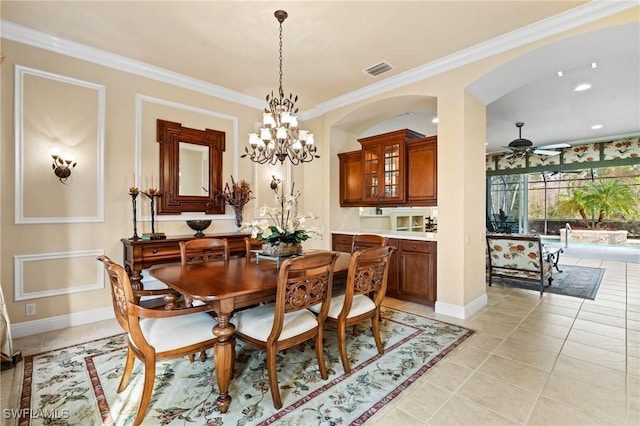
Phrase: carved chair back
[368,271]
[303,282]
[252,244]
[118,292]
[205,249]
[363,241]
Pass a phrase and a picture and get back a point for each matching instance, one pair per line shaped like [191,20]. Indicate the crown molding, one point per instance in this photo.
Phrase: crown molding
[28,36]
[589,12]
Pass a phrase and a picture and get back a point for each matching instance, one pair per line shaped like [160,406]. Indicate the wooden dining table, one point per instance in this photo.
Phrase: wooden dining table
[227,286]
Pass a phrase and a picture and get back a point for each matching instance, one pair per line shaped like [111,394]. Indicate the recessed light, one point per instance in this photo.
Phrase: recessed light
[596,126]
[435,120]
[594,65]
[560,73]
[582,87]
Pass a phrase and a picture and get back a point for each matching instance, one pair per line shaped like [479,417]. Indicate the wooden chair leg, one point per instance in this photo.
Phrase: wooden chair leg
[149,378]
[320,355]
[203,356]
[273,378]
[342,347]
[192,357]
[375,329]
[128,368]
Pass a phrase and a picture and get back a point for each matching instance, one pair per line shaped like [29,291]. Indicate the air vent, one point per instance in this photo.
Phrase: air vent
[378,69]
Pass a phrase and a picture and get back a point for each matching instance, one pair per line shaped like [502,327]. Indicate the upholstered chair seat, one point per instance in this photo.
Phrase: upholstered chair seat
[257,323]
[168,334]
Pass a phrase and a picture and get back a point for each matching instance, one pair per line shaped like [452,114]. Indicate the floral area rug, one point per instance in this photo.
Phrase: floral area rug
[77,385]
[577,281]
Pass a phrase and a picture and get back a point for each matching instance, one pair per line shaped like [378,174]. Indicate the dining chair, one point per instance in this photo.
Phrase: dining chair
[302,282]
[365,290]
[205,249]
[252,244]
[363,241]
[155,334]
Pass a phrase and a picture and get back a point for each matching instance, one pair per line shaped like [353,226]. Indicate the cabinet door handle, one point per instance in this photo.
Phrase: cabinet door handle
[415,246]
[155,250]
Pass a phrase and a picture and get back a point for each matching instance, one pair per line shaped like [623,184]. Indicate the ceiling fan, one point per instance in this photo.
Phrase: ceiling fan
[521,147]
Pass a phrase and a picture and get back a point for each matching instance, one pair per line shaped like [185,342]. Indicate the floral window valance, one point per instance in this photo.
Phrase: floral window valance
[621,151]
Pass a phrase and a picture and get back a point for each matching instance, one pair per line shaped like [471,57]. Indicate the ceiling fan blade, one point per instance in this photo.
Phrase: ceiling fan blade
[554,145]
[511,154]
[546,152]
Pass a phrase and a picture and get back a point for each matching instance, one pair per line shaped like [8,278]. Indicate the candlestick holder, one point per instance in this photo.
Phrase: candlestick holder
[133,191]
[151,194]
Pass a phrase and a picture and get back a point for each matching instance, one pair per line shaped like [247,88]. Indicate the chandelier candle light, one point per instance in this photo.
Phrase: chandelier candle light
[279,137]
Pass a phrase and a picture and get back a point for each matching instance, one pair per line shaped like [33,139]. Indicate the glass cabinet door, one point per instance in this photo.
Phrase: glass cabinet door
[391,170]
[371,172]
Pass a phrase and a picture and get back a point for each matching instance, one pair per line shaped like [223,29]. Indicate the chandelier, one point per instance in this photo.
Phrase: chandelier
[279,137]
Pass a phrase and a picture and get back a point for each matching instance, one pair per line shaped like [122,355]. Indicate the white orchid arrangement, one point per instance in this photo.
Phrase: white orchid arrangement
[282,223]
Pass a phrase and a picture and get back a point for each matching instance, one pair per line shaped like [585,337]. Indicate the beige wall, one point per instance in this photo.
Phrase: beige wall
[130,109]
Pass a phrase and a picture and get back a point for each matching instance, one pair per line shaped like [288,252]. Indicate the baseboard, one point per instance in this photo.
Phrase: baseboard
[62,321]
[462,312]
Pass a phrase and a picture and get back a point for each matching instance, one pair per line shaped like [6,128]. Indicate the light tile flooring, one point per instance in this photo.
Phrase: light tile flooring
[550,360]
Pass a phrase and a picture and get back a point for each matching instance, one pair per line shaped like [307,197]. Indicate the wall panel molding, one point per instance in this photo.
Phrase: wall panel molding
[19,262]
[49,136]
[235,153]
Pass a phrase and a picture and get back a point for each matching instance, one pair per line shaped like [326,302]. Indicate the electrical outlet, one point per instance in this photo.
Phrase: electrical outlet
[30,309]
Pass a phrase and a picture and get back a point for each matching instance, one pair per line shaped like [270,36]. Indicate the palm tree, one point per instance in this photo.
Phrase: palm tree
[577,202]
[606,199]
[614,198]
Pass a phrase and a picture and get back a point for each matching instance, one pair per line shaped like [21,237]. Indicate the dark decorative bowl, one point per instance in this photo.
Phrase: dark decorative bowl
[198,226]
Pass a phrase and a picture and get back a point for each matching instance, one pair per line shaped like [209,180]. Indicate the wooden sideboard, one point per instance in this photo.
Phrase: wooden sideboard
[141,254]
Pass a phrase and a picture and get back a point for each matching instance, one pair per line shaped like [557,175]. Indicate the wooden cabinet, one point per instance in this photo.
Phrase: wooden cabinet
[422,171]
[341,242]
[141,254]
[392,278]
[417,271]
[351,179]
[392,169]
[384,167]
[412,269]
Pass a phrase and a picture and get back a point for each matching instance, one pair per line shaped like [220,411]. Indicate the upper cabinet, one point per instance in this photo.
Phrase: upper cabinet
[422,171]
[351,179]
[393,169]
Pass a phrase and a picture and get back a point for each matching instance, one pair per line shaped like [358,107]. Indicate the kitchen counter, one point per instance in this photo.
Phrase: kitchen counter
[401,235]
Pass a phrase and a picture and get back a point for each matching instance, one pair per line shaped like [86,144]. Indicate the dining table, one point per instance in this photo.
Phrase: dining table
[226,286]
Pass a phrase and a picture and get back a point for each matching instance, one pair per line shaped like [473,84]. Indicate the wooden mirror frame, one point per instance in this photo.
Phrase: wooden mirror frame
[169,135]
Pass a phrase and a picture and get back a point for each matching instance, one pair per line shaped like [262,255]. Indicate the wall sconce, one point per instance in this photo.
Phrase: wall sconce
[62,165]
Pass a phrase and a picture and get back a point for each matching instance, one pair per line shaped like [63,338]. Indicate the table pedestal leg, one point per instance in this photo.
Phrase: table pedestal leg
[224,352]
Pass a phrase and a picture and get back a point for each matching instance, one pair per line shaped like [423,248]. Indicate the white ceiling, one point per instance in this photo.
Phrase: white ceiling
[326,45]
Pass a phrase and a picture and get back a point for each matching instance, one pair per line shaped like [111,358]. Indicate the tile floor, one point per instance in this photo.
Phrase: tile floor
[554,360]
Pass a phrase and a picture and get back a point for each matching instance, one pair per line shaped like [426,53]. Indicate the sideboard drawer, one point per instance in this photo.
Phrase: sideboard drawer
[161,251]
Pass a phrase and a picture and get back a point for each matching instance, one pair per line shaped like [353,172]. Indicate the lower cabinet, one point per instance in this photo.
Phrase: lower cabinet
[417,271]
[341,242]
[412,270]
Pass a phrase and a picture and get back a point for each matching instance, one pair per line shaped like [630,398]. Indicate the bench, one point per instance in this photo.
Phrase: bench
[520,257]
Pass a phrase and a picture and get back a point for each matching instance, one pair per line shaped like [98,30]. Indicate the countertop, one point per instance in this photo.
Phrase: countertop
[402,235]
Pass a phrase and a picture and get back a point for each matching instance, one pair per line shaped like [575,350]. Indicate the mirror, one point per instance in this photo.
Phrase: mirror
[193,172]
[190,169]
